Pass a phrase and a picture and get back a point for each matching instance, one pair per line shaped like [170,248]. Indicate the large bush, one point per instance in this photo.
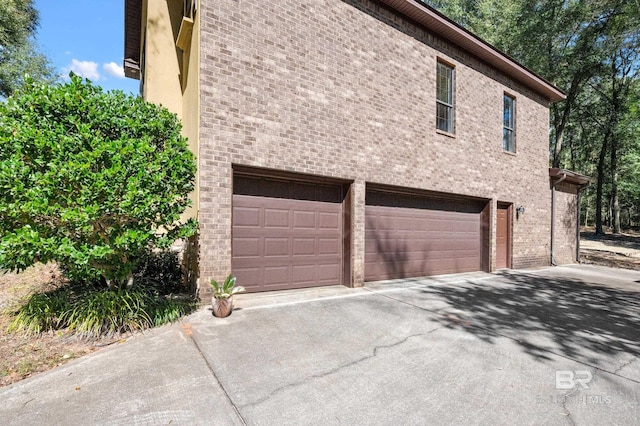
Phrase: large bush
[92,180]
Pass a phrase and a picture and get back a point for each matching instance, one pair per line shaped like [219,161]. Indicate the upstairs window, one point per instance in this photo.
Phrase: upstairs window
[509,124]
[444,98]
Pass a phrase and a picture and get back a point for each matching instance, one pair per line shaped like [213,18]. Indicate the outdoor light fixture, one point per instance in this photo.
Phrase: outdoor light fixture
[520,211]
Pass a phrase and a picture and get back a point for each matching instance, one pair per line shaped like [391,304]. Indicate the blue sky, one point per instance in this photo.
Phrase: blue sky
[87,37]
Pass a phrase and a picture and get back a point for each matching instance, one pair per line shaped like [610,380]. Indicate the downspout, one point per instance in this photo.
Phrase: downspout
[553,216]
[580,189]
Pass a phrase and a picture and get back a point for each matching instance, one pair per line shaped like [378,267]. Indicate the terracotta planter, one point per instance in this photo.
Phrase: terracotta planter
[222,307]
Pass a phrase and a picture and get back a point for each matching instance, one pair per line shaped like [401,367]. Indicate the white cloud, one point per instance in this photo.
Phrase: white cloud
[86,69]
[113,70]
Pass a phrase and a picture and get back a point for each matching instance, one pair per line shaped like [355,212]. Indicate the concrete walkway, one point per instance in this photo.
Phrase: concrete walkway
[550,346]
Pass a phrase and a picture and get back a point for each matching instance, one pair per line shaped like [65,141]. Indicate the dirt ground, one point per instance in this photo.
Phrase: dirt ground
[615,250]
[20,355]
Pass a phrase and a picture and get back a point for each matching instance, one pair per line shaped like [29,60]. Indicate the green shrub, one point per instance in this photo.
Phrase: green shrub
[160,272]
[98,312]
[112,311]
[43,312]
[92,180]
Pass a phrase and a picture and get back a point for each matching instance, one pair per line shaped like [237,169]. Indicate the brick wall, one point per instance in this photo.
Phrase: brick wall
[566,204]
[347,89]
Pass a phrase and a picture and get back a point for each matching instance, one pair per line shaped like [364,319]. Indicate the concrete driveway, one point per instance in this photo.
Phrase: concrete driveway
[550,346]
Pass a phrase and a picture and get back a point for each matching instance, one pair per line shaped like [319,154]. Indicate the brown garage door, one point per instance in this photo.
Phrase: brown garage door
[412,236]
[286,234]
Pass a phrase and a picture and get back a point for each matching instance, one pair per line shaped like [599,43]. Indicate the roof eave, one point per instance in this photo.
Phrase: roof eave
[421,13]
[568,176]
[132,27]
[449,30]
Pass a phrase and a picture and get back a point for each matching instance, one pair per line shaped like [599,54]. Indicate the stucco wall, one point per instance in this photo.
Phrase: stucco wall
[190,74]
[172,76]
[347,89]
[162,63]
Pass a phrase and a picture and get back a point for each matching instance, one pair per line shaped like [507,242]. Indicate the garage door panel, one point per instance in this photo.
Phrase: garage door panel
[329,220]
[276,247]
[276,218]
[304,246]
[281,242]
[275,274]
[246,247]
[384,223]
[305,273]
[246,216]
[328,245]
[407,236]
[405,224]
[328,273]
[304,219]
[248,276]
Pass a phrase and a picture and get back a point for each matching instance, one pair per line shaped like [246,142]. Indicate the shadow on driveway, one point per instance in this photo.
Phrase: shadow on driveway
[571,317]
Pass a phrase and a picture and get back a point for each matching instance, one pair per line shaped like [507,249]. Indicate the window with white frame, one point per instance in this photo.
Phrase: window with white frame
[444,98]
[509,124]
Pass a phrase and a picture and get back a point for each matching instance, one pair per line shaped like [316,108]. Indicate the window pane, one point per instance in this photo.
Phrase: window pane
[444,83]
[444,118]
[508,142]
[449,85]
[508,118]
[444,96]
[442,88]
[509,124]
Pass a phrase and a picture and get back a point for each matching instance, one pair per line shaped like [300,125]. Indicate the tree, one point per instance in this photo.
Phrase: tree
[572,40]
[591,50]
[605,106]
[18,52]
[18,20]
[630,164]
[89,179]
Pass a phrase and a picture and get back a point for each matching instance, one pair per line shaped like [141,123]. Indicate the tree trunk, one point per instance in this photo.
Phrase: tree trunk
[586,217]
[616,107]
[558,145]
[609,210]
[615,214]
[560,120]
[600,183]
[572,151]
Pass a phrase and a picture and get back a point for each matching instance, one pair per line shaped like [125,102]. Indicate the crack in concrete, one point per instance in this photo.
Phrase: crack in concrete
[469,325]
[576,390]
[215,376]
[565,398]
[626,364]
[334,370]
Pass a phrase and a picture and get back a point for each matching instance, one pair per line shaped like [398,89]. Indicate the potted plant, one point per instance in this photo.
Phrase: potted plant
[222,300]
